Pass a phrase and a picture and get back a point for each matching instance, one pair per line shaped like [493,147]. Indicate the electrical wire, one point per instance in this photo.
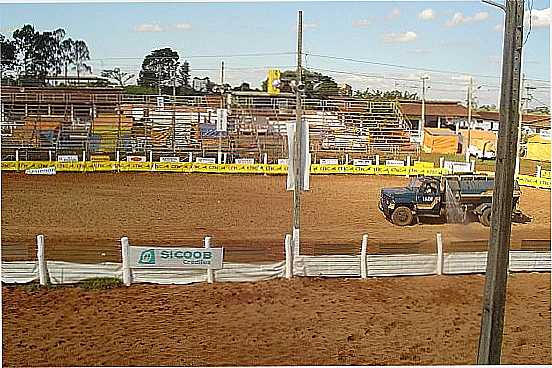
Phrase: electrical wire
[411,68]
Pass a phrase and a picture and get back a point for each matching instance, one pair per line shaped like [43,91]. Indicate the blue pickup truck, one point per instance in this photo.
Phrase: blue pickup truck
[454,198]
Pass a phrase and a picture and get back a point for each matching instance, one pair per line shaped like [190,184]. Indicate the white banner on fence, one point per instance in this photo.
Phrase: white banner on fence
[42,171]
[136,158]
[394,163]
[157,257]
[329,161]
[305,159]
[222,120]
[357,162]
[248,161]
[169,159]
[68,158]
[458,167]
[206,160]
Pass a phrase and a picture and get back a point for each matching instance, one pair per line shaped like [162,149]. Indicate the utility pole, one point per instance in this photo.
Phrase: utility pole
[159,77]
[470,91]
[422,122]
[492,317]
[298,135]
[219,156]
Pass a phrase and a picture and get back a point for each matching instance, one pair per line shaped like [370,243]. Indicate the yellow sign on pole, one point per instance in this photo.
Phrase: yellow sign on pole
[273,85]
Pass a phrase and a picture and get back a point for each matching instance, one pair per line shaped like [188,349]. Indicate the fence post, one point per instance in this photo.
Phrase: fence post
[377,160]
[472,165]
[224,157]
[16,155]
[439,254]
[539,168]
[265,158]
[50,155]
[346,159]
[441,162]
[210,273]
[151,156]
[125,255]
[42,268]
[289,257]
[83,155]
[408,160]
[363,260]
[190,158]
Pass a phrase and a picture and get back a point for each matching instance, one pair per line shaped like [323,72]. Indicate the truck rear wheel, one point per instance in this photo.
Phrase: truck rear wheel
[485,217]
[402,216]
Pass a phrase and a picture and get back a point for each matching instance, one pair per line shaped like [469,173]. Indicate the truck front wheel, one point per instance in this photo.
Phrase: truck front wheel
[485,217]
[402,216]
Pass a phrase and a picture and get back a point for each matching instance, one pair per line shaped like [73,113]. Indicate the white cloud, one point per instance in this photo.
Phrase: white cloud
[498,28]
[361,23]
[539,18]
[420,51]
[426,14]
[400,37]
[459,18]
[395,13]
[183,26]
[149,28]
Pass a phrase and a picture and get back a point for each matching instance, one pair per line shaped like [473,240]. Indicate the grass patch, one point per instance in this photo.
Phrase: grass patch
[101,283]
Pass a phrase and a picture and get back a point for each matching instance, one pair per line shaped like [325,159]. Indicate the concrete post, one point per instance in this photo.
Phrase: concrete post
[363,260]
[210,272]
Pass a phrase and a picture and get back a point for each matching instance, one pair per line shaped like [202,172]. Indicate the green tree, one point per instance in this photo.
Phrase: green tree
[159,69]
[116,74]
[24,39]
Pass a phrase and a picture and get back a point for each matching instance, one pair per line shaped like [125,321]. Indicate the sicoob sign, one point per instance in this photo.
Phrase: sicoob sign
[154,257]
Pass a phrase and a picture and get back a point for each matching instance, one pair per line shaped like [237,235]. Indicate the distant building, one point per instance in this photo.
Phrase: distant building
[345,90]
[201,84]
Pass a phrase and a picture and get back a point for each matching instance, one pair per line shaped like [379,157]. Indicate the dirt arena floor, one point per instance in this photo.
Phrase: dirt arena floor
[379,321]
[83,216]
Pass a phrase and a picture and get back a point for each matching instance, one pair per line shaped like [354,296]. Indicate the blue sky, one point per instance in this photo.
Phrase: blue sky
[461,37]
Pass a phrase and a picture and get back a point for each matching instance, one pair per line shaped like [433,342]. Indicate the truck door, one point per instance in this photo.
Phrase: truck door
[429,198]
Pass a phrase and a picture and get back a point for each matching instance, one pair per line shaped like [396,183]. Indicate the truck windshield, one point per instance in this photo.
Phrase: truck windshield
[415,183]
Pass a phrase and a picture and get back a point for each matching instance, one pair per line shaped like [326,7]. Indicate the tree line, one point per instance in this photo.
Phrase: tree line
[31,57]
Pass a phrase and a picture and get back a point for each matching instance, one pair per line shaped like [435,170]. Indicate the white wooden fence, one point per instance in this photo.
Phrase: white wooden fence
[363,265]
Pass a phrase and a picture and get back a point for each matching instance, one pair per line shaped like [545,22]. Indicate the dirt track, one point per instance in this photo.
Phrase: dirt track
[85,215]
[378,321]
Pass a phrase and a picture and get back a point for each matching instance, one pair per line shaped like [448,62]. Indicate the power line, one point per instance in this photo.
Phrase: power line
[196,56]
[411,68]
[389,78]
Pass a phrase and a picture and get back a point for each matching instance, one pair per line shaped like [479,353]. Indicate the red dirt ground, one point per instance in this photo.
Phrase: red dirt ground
[85,215]
[378,321]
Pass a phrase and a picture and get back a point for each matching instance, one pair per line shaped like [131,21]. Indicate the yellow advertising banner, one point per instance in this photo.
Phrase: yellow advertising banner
[70,166]
[10,165]
[545,174]
[533,181]
[424,165]
[135,166]
[172,166]
[102,166]
[25,165]
[273,78]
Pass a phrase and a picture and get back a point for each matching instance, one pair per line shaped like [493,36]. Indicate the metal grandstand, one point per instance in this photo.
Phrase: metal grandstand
[41,124]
